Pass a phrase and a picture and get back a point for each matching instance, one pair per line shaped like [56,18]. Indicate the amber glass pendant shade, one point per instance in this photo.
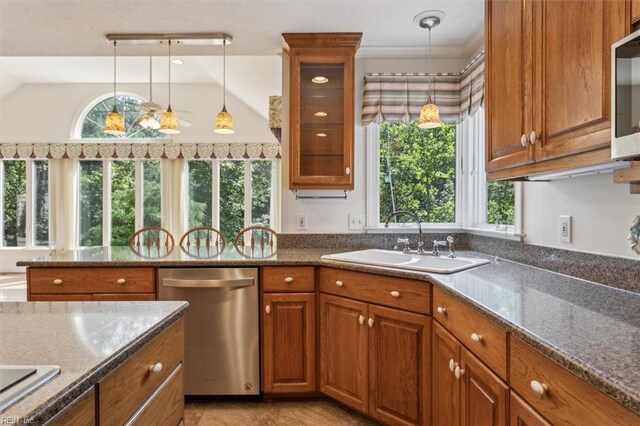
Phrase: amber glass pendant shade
[429,117]
[169,122]
[114,123]
[224,122]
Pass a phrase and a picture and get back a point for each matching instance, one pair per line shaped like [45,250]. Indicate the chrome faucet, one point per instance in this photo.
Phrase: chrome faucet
[420,248]
[448,242]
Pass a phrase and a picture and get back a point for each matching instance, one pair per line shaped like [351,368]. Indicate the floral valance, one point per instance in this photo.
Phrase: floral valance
[399,97]
[140,150]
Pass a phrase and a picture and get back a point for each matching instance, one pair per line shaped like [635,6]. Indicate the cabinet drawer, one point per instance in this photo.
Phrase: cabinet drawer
[75,297]
[567,400]
[91,280]
[124,390]
[288,278]
[394,292]
[166,405]
[81,412]
[490,344]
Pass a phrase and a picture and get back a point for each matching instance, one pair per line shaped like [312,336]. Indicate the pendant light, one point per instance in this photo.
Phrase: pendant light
[148,119]
[224,120]
[168,119]
[114,121]
[429,114]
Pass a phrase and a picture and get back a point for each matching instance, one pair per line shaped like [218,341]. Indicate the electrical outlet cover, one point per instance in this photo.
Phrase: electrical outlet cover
[301,221]
[565,229]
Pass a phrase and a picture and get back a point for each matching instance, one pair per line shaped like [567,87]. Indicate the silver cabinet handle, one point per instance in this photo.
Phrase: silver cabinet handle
[288,280]
[361,319]
[156,368]
[267,309]
[523,140]
[339,283]
[533,137]
[57,281]
[121,281]
[224,283]
[395,293]
[370,322]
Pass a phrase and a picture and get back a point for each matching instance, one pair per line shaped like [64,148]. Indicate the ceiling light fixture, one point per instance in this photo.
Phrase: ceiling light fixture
[429,113]
[168,119]
[114,121]
[320,79]
[224,120]
[320,114]
[177,61]
[148,119]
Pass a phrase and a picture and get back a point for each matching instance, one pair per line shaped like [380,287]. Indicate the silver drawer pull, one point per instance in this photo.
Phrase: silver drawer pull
[395,293]
[288,280]
[121,281]
[57,281]
[156,368]
[339,283]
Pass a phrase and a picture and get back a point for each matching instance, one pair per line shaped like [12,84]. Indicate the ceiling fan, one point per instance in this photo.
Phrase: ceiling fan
[149,111]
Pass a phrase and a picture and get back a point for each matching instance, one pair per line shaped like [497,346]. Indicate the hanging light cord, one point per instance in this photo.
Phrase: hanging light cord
[429,66]
[115,55]
[169,66]
[224,71]
[150,78]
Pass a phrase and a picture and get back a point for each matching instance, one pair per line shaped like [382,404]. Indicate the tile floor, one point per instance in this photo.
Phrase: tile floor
[13,288]
[225,413]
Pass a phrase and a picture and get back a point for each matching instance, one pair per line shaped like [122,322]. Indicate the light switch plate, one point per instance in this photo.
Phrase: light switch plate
[565,229]
[301,222]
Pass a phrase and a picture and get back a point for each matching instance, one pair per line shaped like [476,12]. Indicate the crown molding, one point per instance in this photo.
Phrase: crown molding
[437,52]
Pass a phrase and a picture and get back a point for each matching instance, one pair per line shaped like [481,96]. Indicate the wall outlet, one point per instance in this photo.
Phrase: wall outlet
[565,229]
[301,222]
[356,222]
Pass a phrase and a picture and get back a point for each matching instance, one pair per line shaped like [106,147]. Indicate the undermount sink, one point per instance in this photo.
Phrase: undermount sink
[412,261]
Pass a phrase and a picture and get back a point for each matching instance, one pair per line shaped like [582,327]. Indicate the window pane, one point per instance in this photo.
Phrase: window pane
[261,192]
[152,193]
[90,203]
[41,202]
[123,193]
[15,203]
[500,203]
[417,172]
[231,198]
[200,193]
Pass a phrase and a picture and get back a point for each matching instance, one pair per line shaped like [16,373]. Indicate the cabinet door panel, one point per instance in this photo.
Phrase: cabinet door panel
[343,351]
[399,363]
[522,414]
[484,396]
[576,74]
[446,389]
[289,358]
[508,83]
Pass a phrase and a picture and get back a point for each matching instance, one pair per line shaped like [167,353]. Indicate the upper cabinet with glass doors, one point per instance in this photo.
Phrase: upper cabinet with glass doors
[321,109]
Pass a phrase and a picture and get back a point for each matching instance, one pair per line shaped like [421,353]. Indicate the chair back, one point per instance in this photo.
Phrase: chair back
[202,241]
[152,236]
[256,241]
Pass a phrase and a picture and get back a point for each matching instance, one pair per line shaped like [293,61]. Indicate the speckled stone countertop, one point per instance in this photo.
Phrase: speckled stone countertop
[87,340]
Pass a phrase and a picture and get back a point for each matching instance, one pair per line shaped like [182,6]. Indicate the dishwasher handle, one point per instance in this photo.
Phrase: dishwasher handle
[198,283]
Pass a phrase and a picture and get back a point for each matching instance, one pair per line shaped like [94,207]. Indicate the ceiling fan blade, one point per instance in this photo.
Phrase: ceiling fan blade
[184,123]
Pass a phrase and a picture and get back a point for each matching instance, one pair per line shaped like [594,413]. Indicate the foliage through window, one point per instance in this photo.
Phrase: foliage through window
[418,171]
[129,107]
[500,203]
[14,203]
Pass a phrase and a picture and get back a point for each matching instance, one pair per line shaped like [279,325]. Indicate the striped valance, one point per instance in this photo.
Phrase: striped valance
[141,150]
[399,97]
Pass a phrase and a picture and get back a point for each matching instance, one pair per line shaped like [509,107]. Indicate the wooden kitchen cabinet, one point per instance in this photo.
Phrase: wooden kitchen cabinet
[289,339]
[466,392]
[522,414]
[80,412]
[321,109]
[548,89]
[344,342]
[635,11]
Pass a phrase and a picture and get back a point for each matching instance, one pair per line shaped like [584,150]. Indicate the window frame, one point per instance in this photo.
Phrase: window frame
[29,210]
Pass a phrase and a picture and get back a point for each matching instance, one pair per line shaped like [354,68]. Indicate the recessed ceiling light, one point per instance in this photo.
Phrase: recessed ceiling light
[320,114]
[321,135]
[177,61]
[320,79]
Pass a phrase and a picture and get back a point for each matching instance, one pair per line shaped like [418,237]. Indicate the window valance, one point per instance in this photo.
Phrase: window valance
[140,150]
[399,97]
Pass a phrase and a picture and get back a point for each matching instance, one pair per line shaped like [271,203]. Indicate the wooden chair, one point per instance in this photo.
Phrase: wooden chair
[202,241]
[262,241]
[152,236]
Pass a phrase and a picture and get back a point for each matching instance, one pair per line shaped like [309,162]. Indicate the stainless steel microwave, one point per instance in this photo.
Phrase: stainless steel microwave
[625,98]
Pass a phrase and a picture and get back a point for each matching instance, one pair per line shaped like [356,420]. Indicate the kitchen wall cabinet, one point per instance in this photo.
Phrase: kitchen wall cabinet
[373,358]
[466,392]
[289,362]
[321,109]
[289,339]
[635,11]
[548,89]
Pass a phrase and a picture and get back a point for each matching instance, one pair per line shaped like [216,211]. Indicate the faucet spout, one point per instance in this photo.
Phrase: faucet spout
[415,218]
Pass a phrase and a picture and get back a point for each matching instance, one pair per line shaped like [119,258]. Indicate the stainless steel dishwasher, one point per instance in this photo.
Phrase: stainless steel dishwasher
[222,351]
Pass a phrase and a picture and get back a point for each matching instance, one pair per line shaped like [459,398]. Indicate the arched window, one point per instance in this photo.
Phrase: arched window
[92,124]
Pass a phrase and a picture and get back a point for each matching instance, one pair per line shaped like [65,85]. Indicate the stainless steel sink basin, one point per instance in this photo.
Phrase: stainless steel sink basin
[394,259]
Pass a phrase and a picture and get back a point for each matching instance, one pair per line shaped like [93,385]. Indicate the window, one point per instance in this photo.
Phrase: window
[24,203]
[116,197]
[230,194]
[92,125]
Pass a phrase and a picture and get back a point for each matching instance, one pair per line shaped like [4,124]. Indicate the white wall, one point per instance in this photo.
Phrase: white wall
[48,112]
[601,214]
[332,215]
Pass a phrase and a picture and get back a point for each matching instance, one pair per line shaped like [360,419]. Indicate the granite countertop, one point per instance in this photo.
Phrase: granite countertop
[87,340]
